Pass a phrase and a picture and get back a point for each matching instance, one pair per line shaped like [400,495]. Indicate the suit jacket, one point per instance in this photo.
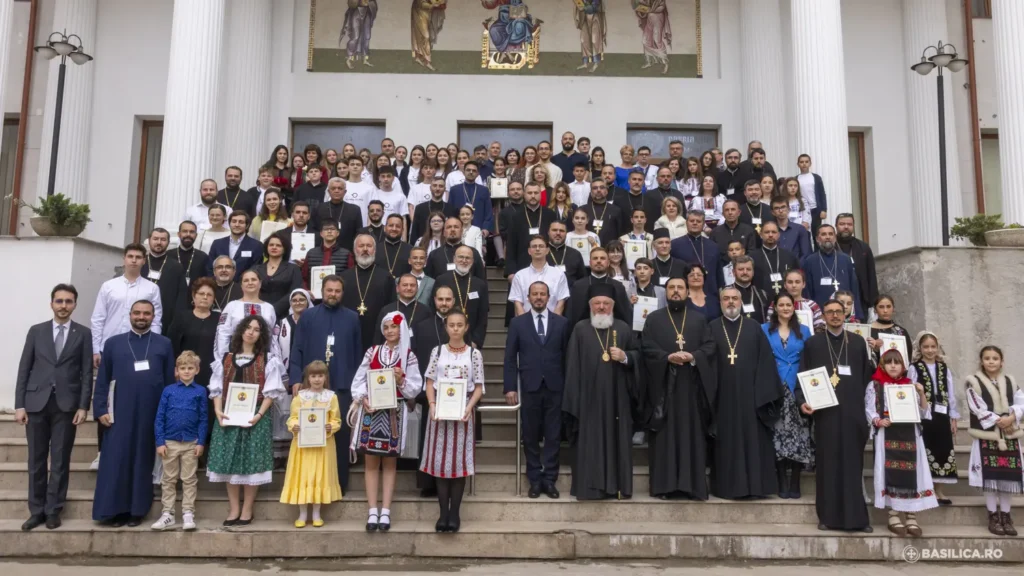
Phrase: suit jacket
[426,290]
[531,361]
[222,247]
[40,370]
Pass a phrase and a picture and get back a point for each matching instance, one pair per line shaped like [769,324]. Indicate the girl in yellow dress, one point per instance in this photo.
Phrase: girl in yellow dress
[312,474]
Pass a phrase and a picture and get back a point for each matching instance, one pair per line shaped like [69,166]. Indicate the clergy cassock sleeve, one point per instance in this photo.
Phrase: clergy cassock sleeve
[768,391]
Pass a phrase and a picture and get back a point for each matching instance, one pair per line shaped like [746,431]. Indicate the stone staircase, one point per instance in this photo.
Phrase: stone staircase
[496,522]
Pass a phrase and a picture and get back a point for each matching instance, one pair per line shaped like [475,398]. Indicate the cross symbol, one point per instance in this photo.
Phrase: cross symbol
[758,229]
[835,284]
[597,229]
[361,309]
[679,341]
[834,379]
[776,287]
[732,357]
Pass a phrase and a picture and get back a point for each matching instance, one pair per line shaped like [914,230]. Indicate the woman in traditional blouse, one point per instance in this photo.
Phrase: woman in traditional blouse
[793,283]
[710,202]
[237,310]
[278,276]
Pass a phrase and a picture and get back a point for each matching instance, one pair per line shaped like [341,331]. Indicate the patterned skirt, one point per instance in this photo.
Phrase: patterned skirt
[938,443]
[1001,470]
[241,455]
[449,449]
[380,433]
[793,434]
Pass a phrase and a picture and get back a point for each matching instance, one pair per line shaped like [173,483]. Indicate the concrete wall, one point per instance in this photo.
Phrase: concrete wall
[80,262]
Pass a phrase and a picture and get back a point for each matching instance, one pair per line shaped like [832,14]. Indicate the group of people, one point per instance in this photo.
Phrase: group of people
[665,305]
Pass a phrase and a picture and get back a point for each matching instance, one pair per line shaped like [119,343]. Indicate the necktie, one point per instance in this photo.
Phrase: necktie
[59,342]
[540,326]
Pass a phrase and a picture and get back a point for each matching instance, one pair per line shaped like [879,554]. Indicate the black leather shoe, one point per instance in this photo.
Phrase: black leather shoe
[33,522]
[454,523]
[133,522]
[534,492]
[868,529]
[117,521]
[53,521]
[241,522]
[551,491]
[230,522]
[442,524]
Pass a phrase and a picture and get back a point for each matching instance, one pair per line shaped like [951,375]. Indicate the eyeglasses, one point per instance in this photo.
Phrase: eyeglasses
[833,312]
[63,301]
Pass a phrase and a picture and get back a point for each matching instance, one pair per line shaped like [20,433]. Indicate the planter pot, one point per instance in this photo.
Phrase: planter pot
[1007,237]
[43,227]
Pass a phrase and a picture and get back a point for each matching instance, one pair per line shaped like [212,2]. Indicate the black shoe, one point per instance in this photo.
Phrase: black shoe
[33,522]
[454,523]
[442,524]
[230,522]
[117,521]
[551,491]
[133,522]
[534,492]
[822,527]
[867,529]
[53,521]
[241,522]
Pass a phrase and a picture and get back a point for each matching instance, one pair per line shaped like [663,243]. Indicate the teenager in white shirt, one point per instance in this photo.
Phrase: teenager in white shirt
[390,194]
[579,190]
[539,271]
[357,191]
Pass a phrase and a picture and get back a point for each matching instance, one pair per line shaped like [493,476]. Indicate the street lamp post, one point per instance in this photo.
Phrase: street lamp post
[60,44]
[945,56]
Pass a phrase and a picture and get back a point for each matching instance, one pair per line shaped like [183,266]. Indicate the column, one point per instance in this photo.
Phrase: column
[190,114]
[6,14]
[71,17]
[820,99]
[924,23]
[1008,29]
[245,91]
[764,106]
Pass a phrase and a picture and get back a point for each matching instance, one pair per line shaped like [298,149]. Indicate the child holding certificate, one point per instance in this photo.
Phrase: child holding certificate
[312,474]
[903,480]
[448,450]
[996,402]
[387,375]
[930,370]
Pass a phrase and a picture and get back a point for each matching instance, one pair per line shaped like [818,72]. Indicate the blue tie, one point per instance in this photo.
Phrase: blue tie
[540,327]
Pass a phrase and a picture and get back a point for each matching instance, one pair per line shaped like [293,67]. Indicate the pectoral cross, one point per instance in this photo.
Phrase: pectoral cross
[758,229]
[732,356]
[597,230]
[834,379]
[835,284]
[680,341]
[776,287]
[361,309]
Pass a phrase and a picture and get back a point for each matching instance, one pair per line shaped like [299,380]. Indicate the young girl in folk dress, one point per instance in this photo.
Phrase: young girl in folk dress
[996,402]
[448,450]
[312,475]
[380,434]
[930,370]
[903,481]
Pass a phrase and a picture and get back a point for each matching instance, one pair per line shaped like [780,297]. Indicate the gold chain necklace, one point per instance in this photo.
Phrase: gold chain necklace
[604,345]
[362,293]
[680,341]
[458,292]
[732,348]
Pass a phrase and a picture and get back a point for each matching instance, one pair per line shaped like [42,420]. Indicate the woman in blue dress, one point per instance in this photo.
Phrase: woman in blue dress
[793,449]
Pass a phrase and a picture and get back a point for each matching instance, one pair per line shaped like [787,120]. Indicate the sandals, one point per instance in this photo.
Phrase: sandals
[912,526]
[896,525]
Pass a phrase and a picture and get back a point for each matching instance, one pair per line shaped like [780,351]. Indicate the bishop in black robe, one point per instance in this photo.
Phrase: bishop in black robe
[366,292]
[840,432]
[174,294]
[579,307]
[749,403]
[471,297]
[680,398]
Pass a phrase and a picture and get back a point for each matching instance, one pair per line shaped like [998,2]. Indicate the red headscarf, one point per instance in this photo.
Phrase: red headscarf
[882,376]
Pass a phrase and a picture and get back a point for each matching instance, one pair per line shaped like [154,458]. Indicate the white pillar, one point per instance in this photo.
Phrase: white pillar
[924,24]
[819,77]
[1008,28]
[190,116]
[245,90]
[6,13]
[71,17]
[764,106]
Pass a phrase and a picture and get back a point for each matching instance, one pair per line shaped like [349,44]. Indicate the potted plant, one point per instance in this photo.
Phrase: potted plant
[57,215]
[981,229]
[1007,236]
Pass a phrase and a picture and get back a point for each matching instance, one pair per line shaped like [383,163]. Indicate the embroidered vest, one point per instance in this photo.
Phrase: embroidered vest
[254,372]
[998,402]
[935,392]
[377,364]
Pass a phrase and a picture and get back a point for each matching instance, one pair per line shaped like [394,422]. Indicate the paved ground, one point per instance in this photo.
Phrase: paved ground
[421,568]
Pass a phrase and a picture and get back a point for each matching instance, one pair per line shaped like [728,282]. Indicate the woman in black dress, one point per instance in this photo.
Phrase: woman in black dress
[197,329]
[278,276]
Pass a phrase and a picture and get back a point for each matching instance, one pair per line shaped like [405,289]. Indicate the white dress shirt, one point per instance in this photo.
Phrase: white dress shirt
[579,193]
[543,315]
[807,190]
[558,286]
[114,302]
[67,330]
[200,214]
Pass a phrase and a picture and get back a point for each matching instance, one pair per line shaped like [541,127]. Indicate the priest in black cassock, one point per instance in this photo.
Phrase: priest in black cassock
[393,253]
[665,265]
[442,259]
[601,390]
[411,309]
[679,353]
[470,294]
[368,288]
[754,211]
[566,259]
[226,288]
[579,302]
[696,250]
[840,432]
[771,261]
[863,259]
[636,197]
[755,301]
[192,260]
[604,218]
[531,220]
[749,403]
[168,275]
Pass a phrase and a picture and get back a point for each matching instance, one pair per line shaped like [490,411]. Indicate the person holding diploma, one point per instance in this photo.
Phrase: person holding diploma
[449,453]
[885,307]
[379,432]
[929,368]
[793,450]
[240,455]
[903,480]
[312,474]
[794,286]
[272,210]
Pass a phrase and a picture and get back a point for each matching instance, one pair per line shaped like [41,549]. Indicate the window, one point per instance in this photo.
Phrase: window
[980,8]
[858,186]
[991,174]
[337,134]
[695,141]
[518,136]
[149,176]
[8,154]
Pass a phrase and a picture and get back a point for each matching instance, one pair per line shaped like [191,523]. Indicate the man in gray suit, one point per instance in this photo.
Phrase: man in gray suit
[53,392]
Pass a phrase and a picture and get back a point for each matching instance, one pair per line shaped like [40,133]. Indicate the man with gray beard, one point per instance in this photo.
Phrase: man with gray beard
[829,270]
[368,288]
[601,393]
[470,294]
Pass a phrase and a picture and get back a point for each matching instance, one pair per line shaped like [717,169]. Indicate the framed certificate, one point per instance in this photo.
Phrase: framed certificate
[312,427]
[581,244]
[806,318]
[450,399]
[498,187]
[302,243]
[316,279]
[240,403]
[863,330]
[635,249]
[380,385]
[644,306]
[893,342]
[269,228]
[904,407]
[817,388]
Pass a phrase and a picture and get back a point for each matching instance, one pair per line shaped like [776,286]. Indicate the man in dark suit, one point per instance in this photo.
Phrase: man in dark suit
[245,250]
[52,394]
[535,356]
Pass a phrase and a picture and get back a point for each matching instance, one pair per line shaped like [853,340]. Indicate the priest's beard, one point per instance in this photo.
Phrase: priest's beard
[601,321]
[365,261]
[676,305]
[827,247]
[731,312]
[462,270]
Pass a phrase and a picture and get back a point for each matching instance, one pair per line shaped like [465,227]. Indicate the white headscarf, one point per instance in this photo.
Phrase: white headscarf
[304,292]
[917,356]
[397,317]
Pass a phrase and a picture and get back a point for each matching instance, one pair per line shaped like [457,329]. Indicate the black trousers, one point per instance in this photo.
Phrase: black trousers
[343,438]
[815,224]
[542,420]
[50,433]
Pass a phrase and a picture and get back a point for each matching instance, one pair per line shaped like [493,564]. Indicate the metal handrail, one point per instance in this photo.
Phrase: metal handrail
[519,448]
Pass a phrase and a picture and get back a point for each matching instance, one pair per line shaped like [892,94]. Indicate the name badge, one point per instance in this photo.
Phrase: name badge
[598,223]
[776,277]
[560,268]
[473,295]
[141,365]
[470,204]
[534,231]
[941,408]
[748,308]
[756,221]
[663,280]
[330,340]
[451,266]
[153,275]
[826,281]
[844,370]
[731,191]
[246,253]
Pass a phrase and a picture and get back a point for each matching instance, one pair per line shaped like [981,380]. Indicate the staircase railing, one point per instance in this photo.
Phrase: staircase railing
[519,448]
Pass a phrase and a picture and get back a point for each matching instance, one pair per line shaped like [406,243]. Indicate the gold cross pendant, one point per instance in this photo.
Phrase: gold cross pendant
[361,309]
[732,357]
[758,229]
[776,287]
[834,379]
[680,341]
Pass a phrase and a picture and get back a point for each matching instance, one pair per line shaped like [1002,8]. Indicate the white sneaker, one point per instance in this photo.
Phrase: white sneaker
[166,521]
[188,521]
[95,463]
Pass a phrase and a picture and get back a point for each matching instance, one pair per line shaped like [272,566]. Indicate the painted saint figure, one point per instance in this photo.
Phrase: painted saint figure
[593,27]
[652,15]
[427,20]
[355,32]
[513,27]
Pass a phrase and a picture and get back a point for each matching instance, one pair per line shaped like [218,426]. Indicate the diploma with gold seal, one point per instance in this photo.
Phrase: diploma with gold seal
[450,400]
[635,250]
[817,389]
[380,386]
[312,427]
[903,405]
[240,403]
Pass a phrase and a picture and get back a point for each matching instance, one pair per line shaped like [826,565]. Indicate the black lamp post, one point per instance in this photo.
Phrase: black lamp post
[945,56]
[60,44]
